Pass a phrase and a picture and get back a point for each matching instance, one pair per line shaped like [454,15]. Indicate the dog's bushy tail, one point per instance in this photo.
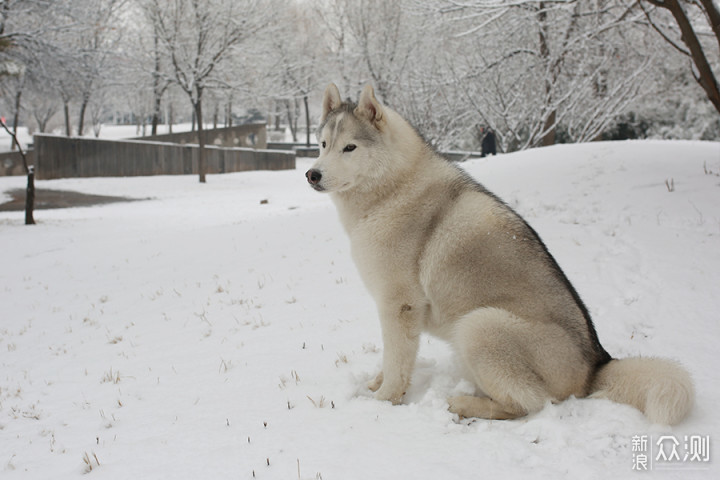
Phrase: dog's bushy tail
[660,388]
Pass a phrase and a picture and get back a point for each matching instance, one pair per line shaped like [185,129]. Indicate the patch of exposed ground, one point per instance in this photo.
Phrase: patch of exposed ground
[46,199]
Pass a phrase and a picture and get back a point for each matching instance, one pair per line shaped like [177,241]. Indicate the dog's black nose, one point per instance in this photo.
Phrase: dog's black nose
[313,176]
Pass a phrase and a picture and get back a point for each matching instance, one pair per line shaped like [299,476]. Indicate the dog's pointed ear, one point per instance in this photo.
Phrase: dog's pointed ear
[331,101]
[368,106]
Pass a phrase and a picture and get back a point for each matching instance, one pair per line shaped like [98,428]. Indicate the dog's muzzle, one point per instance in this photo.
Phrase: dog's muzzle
[313,177]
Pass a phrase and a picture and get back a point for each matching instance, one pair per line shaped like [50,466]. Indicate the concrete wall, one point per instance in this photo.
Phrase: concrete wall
[11,163]
[252,135]
[300,149]
[62,157]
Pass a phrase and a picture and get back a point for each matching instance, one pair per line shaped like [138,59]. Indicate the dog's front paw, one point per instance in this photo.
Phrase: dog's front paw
[387,394]
[375,383]
[460,406]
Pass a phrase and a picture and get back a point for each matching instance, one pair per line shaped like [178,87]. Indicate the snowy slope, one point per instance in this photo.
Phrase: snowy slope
[202,334]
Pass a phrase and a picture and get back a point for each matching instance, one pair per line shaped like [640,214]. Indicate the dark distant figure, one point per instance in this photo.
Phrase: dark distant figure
[488,143]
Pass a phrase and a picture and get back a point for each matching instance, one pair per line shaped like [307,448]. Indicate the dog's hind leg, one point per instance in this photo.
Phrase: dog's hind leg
[520,365]
[482,407]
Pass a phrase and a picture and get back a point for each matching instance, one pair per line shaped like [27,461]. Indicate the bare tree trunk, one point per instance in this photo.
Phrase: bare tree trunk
[66,111]
[16,117]
[201,141]
[296,114]
[157,93]
[42,121]
[307,122]
[155,116]
[81,124]
[171,117]
[30,196]
[550,129]
[293,129]
[228,113]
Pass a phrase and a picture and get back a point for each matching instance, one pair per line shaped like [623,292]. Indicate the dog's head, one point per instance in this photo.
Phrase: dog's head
[352,143]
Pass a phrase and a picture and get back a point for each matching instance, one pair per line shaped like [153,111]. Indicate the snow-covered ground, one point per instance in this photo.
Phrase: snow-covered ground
[206,334]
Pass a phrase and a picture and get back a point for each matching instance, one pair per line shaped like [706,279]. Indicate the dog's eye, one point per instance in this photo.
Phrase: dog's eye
[349,148]
[323,144]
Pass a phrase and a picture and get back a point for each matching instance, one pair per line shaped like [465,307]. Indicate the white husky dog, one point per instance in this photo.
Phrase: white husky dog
[441,254]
